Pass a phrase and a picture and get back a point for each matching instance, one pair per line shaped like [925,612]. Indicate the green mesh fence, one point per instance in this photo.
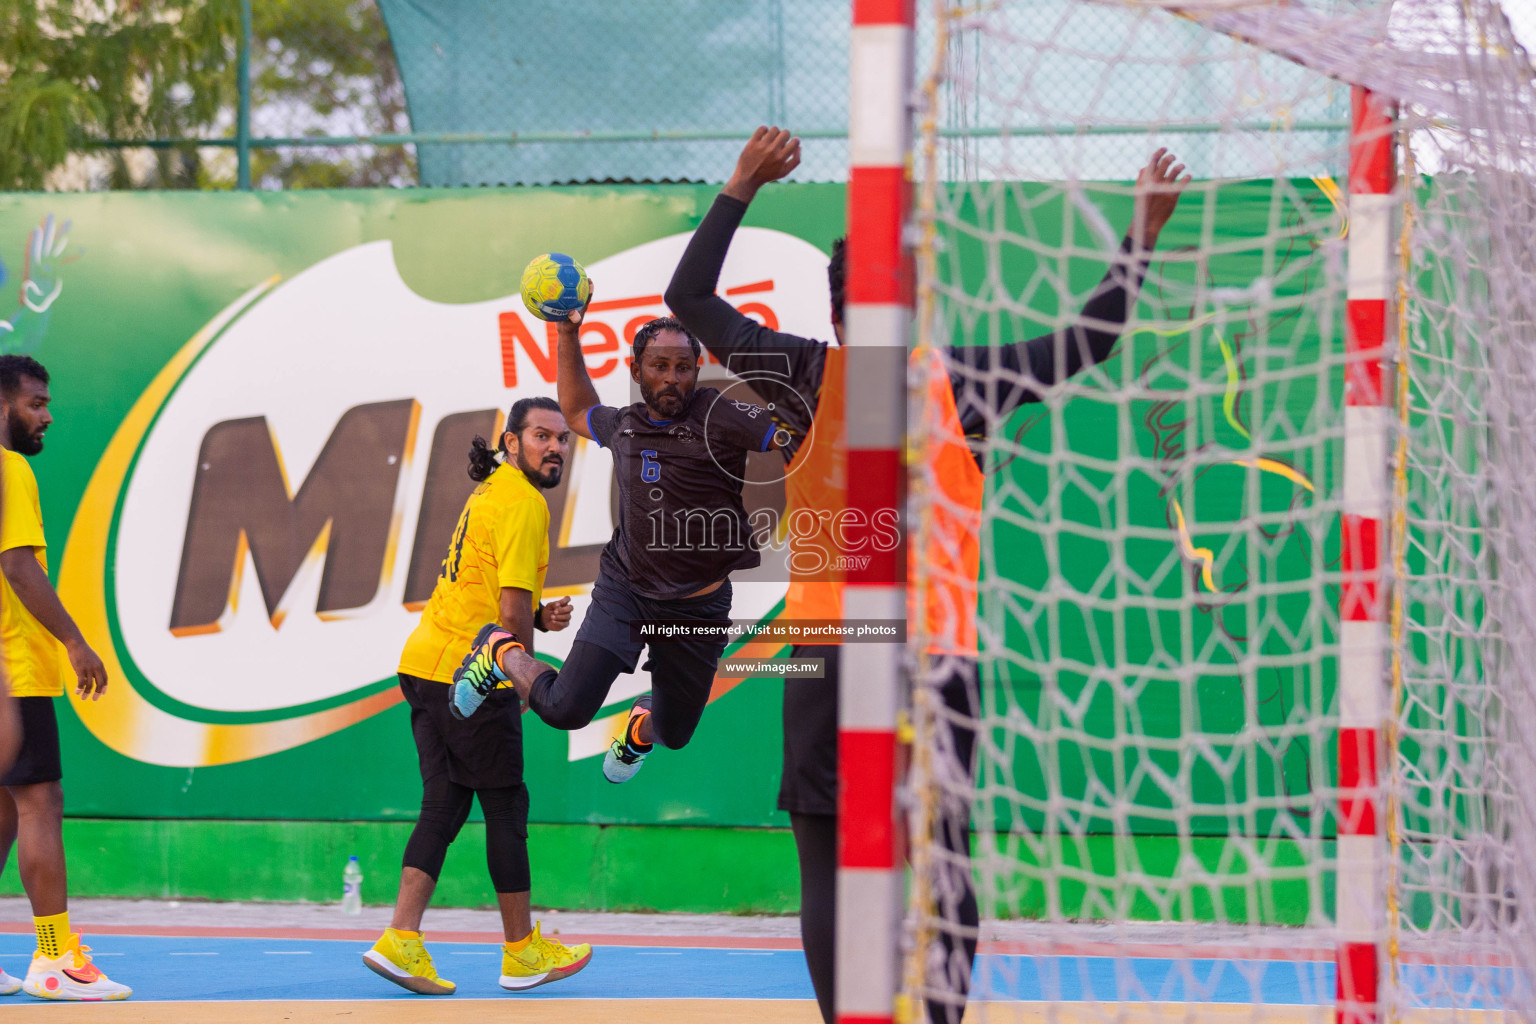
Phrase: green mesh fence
[358,93]
[598,91]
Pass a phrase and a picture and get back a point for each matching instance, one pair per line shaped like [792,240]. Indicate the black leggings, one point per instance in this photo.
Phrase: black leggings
[572,697]
[947,977]
[444,809]
[816,845]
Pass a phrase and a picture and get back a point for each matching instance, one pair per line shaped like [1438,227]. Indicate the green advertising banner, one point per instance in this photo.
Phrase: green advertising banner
[1160,550]
[356,341]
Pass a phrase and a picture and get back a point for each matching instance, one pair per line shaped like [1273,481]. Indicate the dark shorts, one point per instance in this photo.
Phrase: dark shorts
[484,751]
[682,672]
[809,782]
[38,759]
[616,606]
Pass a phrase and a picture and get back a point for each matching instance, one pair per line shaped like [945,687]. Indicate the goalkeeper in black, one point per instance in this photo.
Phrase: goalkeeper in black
[987,384]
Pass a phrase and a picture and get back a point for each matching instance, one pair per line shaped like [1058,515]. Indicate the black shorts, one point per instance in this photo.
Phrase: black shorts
[484,751]
[809,782]
[682,672]
[616,606]
[38,760]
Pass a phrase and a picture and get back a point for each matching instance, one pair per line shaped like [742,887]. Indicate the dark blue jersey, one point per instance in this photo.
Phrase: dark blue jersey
[681,525]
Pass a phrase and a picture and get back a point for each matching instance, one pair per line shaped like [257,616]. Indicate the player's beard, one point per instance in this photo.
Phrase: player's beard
[25,442]
[546,474]
[675,399]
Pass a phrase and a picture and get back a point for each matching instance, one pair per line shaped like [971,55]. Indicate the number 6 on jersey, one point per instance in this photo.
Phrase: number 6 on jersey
[650,469]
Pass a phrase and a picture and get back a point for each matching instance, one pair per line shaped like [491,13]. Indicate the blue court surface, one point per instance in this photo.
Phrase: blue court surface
[223,968]
[219,968]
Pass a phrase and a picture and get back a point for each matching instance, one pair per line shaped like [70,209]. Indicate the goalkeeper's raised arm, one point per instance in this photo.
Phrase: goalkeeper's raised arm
[990,381]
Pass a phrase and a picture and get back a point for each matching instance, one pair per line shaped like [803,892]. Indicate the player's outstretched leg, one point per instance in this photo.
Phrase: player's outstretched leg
[522,669]
[539,961]
[402,957]
[626,755]
[481,672]
[70,975]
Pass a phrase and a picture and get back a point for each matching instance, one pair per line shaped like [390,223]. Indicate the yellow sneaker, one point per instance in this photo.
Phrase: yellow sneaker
[540,962]
[71,975]
[402,957]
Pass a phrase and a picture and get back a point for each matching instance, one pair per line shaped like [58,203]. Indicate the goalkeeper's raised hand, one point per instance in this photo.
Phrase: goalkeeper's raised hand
[1159,188]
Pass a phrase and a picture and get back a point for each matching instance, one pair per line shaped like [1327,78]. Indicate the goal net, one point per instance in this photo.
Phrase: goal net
[1256,705]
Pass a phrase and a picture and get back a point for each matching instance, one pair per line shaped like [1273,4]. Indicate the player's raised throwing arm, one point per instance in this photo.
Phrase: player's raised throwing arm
[573,384]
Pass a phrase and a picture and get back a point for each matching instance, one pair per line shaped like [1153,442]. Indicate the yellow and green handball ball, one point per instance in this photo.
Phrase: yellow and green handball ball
[553,285]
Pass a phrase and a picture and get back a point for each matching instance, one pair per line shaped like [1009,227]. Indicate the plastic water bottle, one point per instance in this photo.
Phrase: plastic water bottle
[352,887]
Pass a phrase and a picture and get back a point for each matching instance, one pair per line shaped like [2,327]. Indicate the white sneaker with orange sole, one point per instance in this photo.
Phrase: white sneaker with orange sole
[71,975]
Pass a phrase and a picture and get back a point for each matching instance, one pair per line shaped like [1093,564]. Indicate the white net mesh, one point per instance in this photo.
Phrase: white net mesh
[1156,715]
[1464,776]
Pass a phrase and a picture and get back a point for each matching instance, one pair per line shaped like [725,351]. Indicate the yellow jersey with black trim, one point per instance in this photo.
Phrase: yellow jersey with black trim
[34,659]
[501,540]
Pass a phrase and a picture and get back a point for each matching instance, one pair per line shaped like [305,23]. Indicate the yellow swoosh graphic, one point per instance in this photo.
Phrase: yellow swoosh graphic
[1330,188]
[1279,469]
[1205,556]
[1234,384]
[122,718]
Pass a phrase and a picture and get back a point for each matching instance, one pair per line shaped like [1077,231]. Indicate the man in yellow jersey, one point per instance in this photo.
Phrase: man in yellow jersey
[494,571]
[10,731]
[33,626]
[10,724]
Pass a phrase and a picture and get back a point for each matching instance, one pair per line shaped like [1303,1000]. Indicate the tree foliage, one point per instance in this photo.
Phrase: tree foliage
[326,67]
[76,72]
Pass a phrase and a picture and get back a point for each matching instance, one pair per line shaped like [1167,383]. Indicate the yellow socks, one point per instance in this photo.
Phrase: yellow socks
[401,933]
[521,944]
[52,933]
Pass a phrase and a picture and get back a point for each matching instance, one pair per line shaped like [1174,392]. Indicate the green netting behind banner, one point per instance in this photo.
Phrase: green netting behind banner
[693,68]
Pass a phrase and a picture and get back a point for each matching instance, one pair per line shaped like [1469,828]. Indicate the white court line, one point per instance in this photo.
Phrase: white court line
[168,954]
[287,952]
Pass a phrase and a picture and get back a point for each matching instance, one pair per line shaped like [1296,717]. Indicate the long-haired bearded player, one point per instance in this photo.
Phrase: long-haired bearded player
[680,459]
[494,569]
[971,390]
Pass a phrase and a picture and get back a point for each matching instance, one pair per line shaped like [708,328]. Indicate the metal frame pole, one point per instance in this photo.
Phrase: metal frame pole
[877,323]
[1364,690]
[243,114]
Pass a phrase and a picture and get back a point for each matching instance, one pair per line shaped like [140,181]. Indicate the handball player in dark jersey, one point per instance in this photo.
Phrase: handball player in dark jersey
[680,458]
[988,384]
